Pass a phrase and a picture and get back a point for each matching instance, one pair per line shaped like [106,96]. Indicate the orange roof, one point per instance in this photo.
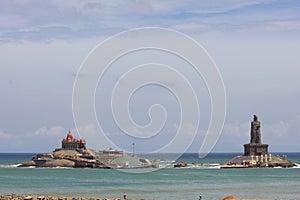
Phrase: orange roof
[70,138]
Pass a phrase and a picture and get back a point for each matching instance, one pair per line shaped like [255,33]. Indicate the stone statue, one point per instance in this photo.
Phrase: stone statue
[255,131]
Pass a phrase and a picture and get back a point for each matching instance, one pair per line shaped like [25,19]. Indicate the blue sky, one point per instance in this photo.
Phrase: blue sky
[43,43]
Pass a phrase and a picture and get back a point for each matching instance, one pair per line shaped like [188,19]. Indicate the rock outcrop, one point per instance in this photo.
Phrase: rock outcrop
[256,154]
[73,153]
[86,159]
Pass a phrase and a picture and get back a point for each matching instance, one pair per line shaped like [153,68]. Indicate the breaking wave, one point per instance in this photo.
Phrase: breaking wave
[10,166]
[170,164]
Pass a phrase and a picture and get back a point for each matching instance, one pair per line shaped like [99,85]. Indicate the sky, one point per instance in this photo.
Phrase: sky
[254,44]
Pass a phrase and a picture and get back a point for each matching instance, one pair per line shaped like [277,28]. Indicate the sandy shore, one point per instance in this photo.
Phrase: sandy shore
[46,197]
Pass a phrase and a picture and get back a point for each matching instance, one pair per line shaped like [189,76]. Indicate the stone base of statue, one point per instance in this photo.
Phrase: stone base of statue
[255,149]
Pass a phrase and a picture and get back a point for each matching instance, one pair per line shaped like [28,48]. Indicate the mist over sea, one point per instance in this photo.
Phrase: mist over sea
[201,176]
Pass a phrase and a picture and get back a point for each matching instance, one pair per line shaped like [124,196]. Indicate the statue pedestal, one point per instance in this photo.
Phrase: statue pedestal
[255,149]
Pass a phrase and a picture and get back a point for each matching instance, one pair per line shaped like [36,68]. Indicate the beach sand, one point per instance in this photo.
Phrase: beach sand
[47,197]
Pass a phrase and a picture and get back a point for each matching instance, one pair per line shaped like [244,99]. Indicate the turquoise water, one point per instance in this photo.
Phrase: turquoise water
[203,177]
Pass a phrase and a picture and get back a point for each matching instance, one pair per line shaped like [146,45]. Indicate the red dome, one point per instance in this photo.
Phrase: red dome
[69,136]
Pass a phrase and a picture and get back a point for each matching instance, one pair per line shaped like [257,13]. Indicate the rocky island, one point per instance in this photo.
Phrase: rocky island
[256,153]
[73,153]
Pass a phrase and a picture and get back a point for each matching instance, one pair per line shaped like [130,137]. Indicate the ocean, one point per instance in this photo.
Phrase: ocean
[202,176]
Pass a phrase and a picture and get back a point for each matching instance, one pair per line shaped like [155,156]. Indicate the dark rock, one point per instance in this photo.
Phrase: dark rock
[181,164]
[28,164]
[58,163]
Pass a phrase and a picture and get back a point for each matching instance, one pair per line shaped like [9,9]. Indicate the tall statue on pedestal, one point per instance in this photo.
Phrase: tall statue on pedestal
[255,131]
[255,147]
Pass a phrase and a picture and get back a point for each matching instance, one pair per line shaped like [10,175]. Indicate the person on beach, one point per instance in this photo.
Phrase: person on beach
[125,195]
[200,196]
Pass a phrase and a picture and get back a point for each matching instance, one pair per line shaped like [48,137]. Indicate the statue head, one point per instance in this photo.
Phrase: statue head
[255,118]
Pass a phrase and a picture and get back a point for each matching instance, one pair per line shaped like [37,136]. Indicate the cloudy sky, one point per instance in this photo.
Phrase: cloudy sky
[255,45]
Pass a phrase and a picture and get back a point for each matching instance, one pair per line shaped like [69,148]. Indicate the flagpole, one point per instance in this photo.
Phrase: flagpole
[133,149]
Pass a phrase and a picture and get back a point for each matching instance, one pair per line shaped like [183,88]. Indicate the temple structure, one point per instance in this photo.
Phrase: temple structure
[71,143]
[255,147]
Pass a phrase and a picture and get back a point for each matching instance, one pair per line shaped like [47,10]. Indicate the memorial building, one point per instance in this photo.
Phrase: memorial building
[71,143]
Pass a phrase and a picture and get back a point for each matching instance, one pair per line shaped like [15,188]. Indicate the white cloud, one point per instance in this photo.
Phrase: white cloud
[5,136]
[93,136]
[48,132]
[84,19]
[275,26]
[6,22]
[280,135]
[283,132]
[236,131]
[191,26]
[43,139]
[87,131]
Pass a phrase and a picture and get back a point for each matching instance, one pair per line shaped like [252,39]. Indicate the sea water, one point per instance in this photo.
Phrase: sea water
[202,176]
